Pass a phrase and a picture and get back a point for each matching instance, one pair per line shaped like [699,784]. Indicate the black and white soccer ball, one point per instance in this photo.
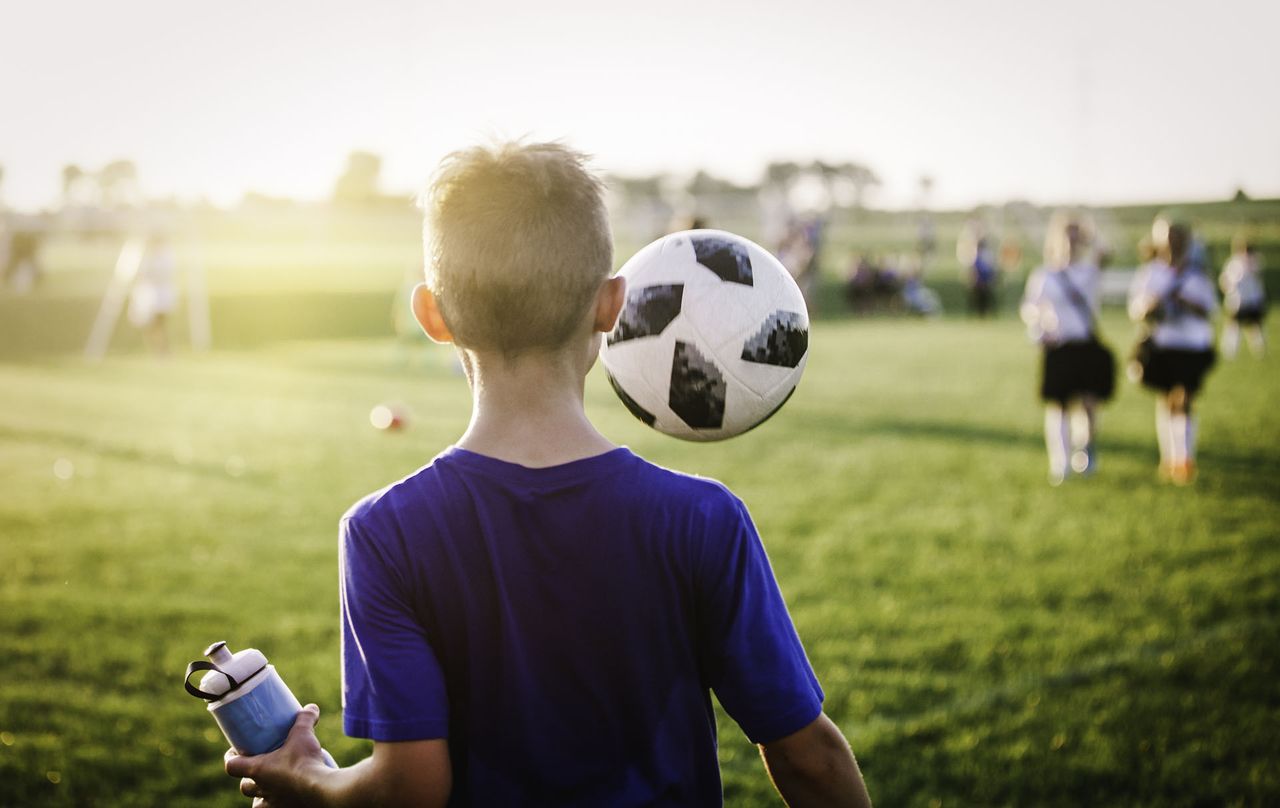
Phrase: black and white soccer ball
[712,339]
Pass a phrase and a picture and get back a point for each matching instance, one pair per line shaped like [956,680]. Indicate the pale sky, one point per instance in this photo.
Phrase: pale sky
[1092,101]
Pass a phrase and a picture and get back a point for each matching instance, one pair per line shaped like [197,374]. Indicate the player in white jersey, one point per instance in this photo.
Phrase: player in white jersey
[1174,301]
[1244,299]
[1060,308]
[154,294]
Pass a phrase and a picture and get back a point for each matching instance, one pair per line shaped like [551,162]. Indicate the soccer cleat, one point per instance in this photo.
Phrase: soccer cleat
[1183,473]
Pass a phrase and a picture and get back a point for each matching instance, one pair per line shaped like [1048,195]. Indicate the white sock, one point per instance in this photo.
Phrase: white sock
[1057,439]
[1164,434]
[1190,435]
[1081,437]
[1257,341]
[1178,433]
[1079,428]
[1230,339]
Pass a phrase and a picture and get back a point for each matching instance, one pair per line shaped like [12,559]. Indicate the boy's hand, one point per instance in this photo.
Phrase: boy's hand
[282,778]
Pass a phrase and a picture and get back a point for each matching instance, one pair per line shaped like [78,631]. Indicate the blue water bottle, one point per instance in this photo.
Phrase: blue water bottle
[251,703]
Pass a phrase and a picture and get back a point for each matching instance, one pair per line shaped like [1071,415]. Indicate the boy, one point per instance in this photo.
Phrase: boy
[537,616]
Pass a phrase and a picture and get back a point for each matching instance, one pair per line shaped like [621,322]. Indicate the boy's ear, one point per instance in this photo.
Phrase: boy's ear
[609,302]
[427,312]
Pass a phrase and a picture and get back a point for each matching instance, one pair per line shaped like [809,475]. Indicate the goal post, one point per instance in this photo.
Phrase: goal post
[192,289]
[115,298]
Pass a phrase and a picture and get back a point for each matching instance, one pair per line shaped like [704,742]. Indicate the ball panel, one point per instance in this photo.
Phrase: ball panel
[783,340]
[648,311]
[717,317]
[640,412]
[742,407]
[669,260]
[773,411]
[776,283]
[726,257]
[697,391]
[642,367]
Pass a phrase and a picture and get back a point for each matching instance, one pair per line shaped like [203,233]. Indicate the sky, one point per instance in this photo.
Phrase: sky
[1083,102]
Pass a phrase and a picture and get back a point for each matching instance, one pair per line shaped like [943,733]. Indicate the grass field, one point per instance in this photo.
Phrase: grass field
[983,639]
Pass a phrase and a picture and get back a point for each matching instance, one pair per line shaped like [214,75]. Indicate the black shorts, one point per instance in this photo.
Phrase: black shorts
[1176,367]
[1250,315]
[1075,369]
[982,298]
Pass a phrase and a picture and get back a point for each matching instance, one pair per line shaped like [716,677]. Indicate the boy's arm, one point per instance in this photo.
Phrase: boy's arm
[815,767]
[409,773]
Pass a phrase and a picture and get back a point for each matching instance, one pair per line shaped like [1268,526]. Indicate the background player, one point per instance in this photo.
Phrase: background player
[1174,300]
[154,294]
[1077,372]
[1244,299]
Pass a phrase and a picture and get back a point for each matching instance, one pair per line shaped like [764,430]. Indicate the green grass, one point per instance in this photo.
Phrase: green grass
[983,639]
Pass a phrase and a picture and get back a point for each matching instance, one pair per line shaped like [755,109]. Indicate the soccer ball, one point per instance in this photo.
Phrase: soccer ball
[712,338]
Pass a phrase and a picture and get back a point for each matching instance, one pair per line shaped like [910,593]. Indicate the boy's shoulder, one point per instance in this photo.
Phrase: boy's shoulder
[619,475]
[680,489]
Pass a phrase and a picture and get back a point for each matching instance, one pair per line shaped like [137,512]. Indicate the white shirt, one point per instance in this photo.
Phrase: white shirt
[1178,327]
[1050,309]
[1241,283]
[154,288]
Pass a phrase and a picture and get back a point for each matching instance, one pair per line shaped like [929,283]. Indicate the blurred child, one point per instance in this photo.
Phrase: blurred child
[21,262]
[798,252]
[154,294]
[1174,301]
[982,278]
[1244,299]
[1060,308]
[537,616]
[918,298]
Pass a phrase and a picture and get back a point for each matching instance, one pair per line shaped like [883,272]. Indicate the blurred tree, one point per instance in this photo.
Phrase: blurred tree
[782,175]
[926,189]
[709,198]
[118,183]
[860,177]
[72,178]
[358,183]
[838,180]
[640,204]
[636,187]
[704,184]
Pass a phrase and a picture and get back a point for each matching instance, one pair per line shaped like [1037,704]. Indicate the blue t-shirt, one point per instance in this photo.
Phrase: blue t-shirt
[562,628]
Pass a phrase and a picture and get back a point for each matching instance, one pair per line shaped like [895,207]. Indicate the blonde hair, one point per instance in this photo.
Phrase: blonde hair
[518,243]
[1057,245]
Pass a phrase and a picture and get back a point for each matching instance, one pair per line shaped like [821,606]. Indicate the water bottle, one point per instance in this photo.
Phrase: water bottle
[253,706]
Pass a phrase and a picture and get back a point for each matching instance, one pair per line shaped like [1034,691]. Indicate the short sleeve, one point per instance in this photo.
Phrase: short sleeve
[392,686]
[750,649]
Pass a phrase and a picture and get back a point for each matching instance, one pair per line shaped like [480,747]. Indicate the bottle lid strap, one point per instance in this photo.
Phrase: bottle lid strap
[201,665]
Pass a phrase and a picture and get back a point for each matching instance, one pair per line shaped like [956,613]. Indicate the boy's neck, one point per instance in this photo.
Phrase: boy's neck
[529,411]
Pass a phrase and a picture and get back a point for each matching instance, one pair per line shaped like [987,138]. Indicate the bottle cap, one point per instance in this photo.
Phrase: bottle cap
[226,671]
